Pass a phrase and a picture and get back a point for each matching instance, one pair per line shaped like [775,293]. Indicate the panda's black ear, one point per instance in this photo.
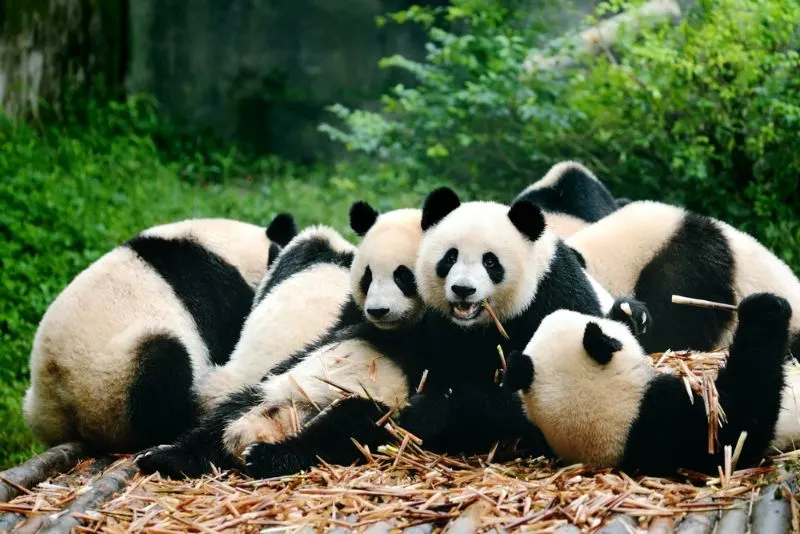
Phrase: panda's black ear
[438,204]
[282,229]
[527,218]
[598,345]
[519,372]
[362,217]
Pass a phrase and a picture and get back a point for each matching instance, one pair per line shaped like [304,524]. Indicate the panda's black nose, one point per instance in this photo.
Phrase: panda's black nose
[462,291]
[378,313]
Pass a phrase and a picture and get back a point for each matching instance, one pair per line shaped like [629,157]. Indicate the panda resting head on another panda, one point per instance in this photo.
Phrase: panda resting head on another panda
[589,387]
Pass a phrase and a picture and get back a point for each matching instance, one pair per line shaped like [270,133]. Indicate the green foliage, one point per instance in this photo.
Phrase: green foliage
[72,192]
[704,113]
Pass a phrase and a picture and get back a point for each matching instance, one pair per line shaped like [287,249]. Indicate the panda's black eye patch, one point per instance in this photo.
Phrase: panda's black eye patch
[446,263]
[366,280]
[404,278]
[493,267]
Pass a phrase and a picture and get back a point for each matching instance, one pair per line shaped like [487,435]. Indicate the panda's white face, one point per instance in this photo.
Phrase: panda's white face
[382,275]
[476,254]
[589,377]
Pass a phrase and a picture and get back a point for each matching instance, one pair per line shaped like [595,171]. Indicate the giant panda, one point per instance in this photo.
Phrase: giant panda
[479,252]
[571,197]
[290,414]
[301,297]
[652,251]
[587,384]
[115,356]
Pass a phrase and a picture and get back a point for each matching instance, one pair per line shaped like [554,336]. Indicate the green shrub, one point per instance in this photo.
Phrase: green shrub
[73,191]
[704,113]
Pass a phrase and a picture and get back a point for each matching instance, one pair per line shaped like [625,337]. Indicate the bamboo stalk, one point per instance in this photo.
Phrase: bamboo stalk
[24,476]
[700,303]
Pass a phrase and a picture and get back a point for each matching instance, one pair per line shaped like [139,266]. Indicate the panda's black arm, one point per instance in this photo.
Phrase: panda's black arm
[633,313]
[194,452]
[672,433]
[328,436]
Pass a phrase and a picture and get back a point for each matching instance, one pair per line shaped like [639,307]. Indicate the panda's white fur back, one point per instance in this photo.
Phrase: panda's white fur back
[787,431]
[82,360]
[293,314]
[563,225]
[583,418]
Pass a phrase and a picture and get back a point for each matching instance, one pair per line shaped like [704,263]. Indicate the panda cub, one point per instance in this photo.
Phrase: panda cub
[116,356]
[597,398]
[652,251]
[476,253]
[316,265]
[571,198]
[290,418]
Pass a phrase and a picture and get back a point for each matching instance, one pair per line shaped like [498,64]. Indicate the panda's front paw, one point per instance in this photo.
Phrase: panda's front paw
[172,461]
[267,460]
[633,313]
[765,308]
[427,417]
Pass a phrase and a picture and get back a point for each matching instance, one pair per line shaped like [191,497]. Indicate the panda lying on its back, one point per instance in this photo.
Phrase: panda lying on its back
[571,198]
[299,300]
[118,352]
[374,356]
[595,395]
[651,251]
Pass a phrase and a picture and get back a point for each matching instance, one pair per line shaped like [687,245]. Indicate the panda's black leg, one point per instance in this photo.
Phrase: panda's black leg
[633,313]
[194,452]
[751,383]
[329,436]
[429,417]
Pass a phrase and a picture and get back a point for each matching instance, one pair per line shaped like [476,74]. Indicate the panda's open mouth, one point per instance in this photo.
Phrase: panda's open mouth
[466,310]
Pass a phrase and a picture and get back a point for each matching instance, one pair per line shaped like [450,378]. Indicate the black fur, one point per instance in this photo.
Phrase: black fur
[405,280]
[327,436]
[282,229]
[528,219]
[195,451]
[638,322]
[212,290]
[446,263]
[301,256]
[362,217]
[599,346]
[272,255]
[438,204]
[696,262]
[671,433]
[366,280]
[579,257]
[622,201]
[520,372]
[494,268]
[574,194]
[161,405]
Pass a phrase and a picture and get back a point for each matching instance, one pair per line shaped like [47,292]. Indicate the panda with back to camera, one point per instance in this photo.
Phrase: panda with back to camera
[651,251]
[118,352]
[588,385]
[290,417]
[303,295]
[505,256]
[571,198]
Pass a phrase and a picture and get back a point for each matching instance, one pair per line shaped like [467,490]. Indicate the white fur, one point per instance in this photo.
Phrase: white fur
[563,225]
[392,241]
[553,176]
[475,228]
[585,409]
[83,352]
[787,431]
[618,247]
[353,364]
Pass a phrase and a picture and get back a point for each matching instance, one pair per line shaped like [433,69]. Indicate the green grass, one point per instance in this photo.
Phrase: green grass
[69,194]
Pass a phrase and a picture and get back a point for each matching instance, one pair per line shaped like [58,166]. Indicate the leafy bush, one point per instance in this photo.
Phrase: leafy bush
[704,113]
[72,192]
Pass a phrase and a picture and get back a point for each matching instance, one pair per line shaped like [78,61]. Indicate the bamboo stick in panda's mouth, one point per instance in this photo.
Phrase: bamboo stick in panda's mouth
[497,322]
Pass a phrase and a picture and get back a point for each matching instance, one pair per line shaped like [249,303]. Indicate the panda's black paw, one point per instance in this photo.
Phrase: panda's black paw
[519,372]
[170,461]
[427,416]
[766,308]
[267,460]
[633,313]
